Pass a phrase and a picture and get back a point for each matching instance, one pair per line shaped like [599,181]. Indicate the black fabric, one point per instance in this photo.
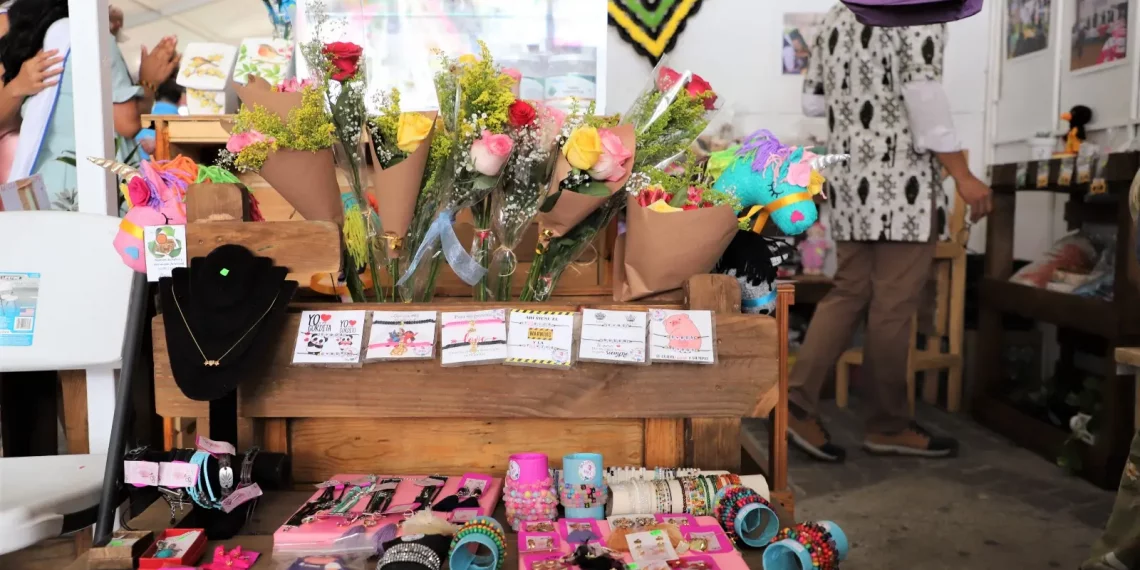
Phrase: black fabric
[750,256]
[222,296]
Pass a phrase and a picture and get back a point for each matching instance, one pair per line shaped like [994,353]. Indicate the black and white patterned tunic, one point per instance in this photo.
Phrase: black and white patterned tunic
[886,191]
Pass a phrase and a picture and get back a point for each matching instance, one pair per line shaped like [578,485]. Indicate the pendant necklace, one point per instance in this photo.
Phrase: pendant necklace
[217,361]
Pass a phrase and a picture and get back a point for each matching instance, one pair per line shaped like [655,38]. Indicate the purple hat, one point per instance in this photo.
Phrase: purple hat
[899,13]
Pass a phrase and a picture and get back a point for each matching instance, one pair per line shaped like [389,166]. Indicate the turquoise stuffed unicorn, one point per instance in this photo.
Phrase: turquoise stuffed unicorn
[775,181]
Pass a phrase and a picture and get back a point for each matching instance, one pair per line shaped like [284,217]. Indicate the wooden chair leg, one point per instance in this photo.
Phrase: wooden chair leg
[930,386]
[910,372]
[954,389]
[842,382]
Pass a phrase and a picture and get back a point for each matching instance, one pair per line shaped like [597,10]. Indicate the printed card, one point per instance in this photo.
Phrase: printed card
[473,337]
[1068,168]
[1084,169]
[401,335]
[681,336]
[538,526]
[140,473]
[177,475]
[1043,174]
[530,542]
[329,337]
[613,336]
[25,194]
[1021,174]
[19,296]
[710,539]
[541,338]
[165,250]
[651,546]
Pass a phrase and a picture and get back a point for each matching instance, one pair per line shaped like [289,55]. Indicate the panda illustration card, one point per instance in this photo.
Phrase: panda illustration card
[681,336]
[330,338]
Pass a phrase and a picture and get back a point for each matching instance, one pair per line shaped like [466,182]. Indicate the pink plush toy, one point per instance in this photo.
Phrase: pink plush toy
[154,200]
[813,250]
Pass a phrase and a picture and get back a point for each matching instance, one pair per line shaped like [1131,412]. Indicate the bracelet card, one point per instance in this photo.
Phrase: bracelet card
[531,542]
[613,336]
[401,335]
[1042,174]
[331,338]
[714,538]
[542,339]
[681,336]
[473,337]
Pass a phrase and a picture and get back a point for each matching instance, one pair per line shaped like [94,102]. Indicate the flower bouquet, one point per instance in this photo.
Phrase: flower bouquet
[515,203]
[676,227]
[408,163]
[287,136]
[474,99]
[666,118]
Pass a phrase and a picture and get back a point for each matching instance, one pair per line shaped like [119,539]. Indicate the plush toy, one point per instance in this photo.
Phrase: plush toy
[1078,117]
[754,261]
[776,181]
[813,250]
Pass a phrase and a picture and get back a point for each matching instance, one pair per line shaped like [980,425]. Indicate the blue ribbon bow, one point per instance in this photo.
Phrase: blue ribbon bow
[457,257]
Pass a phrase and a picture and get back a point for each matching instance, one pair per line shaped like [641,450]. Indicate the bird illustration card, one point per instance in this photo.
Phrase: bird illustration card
[613,336]
[206,66]
[268,58]
[473,337]
[681,336]
[330,338]
[401,335]
[543,339]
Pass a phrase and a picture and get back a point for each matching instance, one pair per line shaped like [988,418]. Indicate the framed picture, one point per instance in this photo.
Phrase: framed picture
[1099,34]
[800,29]
[1027,26]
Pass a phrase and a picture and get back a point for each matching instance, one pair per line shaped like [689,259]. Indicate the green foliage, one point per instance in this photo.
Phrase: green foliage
[657,140]
[485,96]
[309,128]
[385,128]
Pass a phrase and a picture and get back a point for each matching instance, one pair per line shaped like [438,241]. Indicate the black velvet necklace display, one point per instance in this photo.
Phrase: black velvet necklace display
[234,304]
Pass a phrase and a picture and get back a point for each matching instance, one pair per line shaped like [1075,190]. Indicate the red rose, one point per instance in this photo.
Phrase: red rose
[521,113]
[345,59]
[667,78]
[698,87]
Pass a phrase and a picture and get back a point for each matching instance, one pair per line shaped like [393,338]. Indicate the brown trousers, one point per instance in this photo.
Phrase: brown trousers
[885,281]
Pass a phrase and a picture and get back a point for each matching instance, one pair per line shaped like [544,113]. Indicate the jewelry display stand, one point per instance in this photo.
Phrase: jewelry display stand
[414,417]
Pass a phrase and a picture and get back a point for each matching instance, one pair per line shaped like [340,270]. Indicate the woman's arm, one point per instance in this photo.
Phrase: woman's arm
[36,74]
[132,101]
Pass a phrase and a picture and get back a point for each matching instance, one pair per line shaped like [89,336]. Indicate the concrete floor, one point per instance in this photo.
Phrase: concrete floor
[995,506]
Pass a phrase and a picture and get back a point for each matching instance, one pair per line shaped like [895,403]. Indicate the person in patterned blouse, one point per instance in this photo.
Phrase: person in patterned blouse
[880,90]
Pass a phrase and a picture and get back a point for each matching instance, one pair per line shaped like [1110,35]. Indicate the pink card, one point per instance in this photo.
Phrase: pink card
[568,526]
[531,542]
[540,561]
[177,474]
[140,473]
[215,447]
[239,496]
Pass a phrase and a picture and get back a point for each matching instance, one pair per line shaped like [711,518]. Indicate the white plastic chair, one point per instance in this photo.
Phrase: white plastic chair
[84,311]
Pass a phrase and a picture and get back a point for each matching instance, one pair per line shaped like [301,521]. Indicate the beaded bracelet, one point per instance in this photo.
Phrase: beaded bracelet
[816,539]
[480,530]
[735,505]
[583,495]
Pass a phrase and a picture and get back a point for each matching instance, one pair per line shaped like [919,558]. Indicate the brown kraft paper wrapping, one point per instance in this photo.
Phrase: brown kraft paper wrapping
[573,207]
[396,189]
[659,251]
[306,179]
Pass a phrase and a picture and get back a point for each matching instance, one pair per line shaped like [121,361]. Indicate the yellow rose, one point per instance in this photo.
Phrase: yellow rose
[412,130]
[583,148]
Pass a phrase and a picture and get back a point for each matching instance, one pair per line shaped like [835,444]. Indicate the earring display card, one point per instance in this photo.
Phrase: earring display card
[613,336]
[681,336]
[19,295]
[473,337]
[330,338]
[651,546]
[543,339]
[401,335]
[165,250]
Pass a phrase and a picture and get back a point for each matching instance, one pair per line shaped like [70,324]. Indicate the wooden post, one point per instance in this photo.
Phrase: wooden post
[999,266]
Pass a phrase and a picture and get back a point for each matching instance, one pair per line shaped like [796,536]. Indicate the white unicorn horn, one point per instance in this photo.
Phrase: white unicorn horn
[124,171]
[819,163]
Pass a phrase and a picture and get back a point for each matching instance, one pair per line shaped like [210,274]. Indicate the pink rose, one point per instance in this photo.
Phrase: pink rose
[138,192]
[611,166]
[799,174]
[490,152]
[241,140]
[516,78]
[293,85]
[666,78]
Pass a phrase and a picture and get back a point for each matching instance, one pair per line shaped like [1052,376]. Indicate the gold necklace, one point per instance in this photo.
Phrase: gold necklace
[206,361]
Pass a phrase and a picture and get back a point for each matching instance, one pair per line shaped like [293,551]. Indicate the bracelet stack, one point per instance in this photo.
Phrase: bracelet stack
[528,490]
[410,553]
[694,495]
[583,488]
[746,516]
[815,546]
[479,532]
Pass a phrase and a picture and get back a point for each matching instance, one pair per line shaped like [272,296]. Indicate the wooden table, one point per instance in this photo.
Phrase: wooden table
[276,507]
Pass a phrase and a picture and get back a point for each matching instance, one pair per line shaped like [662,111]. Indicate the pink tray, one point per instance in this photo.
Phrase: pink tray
[731,560]
[333,534]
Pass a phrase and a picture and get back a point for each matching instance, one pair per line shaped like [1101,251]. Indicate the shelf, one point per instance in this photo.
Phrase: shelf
[193,129]
[1117,174]
[1089,315]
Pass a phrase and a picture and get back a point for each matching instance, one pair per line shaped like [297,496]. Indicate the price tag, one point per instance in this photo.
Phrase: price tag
[1022,174]
[177,475]
[1084,169]
[241,495]
[1065,176]
[1043,174]
[140,473]
[215,447]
